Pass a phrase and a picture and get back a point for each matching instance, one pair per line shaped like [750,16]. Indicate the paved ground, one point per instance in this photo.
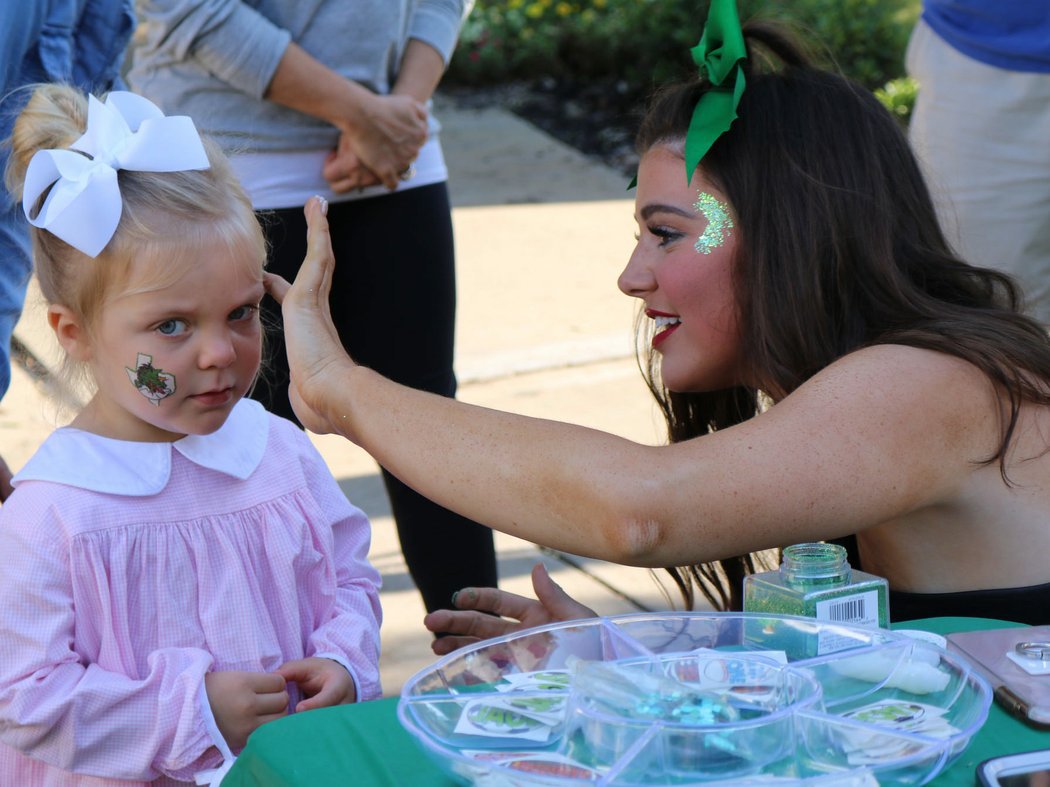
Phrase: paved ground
[541,234]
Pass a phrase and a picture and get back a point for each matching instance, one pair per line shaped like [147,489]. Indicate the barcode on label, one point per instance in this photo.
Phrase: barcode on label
[847,611]
[856,609]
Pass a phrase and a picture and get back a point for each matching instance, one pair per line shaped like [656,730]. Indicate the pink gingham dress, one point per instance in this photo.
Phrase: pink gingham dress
[130,570]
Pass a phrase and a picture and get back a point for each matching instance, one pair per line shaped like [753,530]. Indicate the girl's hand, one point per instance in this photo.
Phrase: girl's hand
[244,701]
[323,682]
[316,357]
[481,613]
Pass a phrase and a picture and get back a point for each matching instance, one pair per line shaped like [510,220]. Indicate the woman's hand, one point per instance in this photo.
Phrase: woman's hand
[345,169]
[316,358]
[324,682]
[386,139]
[481,613]
[244,701]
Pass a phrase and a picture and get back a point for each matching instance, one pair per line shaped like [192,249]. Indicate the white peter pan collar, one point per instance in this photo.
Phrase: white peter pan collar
[101,464]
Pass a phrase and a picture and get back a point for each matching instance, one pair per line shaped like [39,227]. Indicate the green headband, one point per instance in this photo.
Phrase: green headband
[721,54]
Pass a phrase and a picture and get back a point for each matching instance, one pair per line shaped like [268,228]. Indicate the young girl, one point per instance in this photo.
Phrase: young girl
[827,367]
[180,565]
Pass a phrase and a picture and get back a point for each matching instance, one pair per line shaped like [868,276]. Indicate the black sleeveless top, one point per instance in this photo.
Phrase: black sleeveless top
[1029,605]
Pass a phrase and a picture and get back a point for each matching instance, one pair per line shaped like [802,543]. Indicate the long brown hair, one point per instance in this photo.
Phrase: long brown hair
[838,248]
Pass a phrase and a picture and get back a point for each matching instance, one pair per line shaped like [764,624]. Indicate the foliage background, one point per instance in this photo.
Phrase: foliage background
[628,46]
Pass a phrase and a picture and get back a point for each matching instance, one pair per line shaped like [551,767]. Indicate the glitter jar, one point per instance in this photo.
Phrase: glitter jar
[816,581]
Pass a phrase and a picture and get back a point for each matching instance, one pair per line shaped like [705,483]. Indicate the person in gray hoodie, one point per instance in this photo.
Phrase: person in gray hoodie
[333,98]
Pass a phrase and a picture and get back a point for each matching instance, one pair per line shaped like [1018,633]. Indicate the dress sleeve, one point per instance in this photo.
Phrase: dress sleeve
[437,22]
[351,634]
[57,707]
[228,37]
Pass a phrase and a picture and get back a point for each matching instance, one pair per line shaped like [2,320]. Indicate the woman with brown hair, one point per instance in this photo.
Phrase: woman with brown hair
[827,366]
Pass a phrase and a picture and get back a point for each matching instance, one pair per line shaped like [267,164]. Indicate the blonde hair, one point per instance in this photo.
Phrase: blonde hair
[163,213]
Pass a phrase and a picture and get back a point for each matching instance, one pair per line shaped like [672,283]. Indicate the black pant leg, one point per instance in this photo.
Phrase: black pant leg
[393,302]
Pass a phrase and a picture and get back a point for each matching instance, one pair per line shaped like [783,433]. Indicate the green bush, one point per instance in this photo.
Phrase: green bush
[530,39]
[898,96]
[646,42]
[866,39]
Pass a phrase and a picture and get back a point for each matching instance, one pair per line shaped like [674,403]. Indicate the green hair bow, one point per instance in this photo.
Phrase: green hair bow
[721,54]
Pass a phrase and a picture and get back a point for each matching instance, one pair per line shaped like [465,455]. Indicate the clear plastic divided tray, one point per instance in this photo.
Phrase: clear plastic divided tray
[696,698]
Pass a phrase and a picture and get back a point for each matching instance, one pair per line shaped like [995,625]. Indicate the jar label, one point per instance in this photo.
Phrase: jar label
[860,609]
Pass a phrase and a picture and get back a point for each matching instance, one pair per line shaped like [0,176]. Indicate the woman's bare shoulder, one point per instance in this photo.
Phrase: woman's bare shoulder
[879,434]
[903,356]
[897,370]
[908,401]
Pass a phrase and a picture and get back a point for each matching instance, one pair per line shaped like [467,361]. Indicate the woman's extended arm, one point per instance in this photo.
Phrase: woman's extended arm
[486,446]
[859,444]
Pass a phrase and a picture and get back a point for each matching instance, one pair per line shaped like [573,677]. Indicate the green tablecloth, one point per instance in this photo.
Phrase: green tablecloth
[364,745]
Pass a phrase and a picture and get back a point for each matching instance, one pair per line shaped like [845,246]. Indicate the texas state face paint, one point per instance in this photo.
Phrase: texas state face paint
[719,222]
[155,384]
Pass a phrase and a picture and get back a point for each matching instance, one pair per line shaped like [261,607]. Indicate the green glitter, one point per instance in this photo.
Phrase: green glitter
[719,222]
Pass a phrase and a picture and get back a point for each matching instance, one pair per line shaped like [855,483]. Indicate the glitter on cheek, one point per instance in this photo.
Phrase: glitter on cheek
[719,222]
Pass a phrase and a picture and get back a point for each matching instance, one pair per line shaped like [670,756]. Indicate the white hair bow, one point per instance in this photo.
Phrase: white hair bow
[127,132]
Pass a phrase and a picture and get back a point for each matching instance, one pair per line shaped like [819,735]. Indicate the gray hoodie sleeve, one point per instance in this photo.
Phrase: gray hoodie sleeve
[437,22]
[230,39]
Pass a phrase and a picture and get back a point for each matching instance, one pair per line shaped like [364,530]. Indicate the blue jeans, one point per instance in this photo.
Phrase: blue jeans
[15,267]
[77,41]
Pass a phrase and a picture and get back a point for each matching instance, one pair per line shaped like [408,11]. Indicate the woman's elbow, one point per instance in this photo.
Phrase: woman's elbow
[636,541]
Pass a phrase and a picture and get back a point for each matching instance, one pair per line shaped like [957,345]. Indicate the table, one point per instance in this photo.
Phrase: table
[364,745]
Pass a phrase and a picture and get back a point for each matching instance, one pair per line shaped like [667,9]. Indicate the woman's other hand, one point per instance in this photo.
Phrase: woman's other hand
[316,358]
[482,613]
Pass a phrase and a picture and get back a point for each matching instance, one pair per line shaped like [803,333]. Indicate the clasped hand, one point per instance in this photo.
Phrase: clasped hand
[243,701]
[380,147]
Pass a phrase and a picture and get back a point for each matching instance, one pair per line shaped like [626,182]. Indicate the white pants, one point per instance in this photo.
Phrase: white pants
[982,135]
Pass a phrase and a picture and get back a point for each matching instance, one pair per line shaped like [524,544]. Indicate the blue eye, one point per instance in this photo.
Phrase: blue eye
[172,327]
[245,312]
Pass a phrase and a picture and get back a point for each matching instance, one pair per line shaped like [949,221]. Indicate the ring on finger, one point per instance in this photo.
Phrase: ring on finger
[407,173]
[1034,650]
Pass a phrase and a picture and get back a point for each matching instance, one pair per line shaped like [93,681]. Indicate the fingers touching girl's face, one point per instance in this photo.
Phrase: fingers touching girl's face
[682,269]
